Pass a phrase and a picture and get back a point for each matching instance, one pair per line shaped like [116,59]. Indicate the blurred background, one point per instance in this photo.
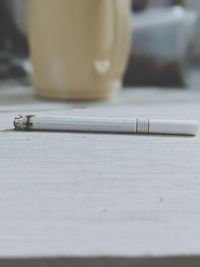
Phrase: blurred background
[165,43]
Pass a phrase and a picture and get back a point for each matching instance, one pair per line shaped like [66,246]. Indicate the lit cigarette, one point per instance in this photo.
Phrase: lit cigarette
[109,125]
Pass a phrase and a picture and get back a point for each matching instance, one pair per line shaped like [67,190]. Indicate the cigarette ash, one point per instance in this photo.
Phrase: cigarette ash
[23,122]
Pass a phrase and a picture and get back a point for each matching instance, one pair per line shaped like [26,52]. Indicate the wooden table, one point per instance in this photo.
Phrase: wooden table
[80,199]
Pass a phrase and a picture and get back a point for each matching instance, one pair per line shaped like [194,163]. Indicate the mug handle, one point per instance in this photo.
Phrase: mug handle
[112,38]
[122,34]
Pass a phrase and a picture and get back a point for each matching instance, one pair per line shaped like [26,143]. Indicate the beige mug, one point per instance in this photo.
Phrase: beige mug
[79,48]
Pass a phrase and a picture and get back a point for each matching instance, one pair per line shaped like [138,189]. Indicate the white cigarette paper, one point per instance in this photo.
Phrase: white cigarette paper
[112,125]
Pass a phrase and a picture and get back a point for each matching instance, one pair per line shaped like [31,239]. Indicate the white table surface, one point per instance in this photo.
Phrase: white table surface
[86,199]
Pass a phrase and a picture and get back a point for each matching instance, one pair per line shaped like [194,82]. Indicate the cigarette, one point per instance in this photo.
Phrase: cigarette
[107,125]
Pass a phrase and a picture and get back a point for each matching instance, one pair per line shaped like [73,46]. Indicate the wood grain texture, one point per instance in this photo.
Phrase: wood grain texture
[99,198]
